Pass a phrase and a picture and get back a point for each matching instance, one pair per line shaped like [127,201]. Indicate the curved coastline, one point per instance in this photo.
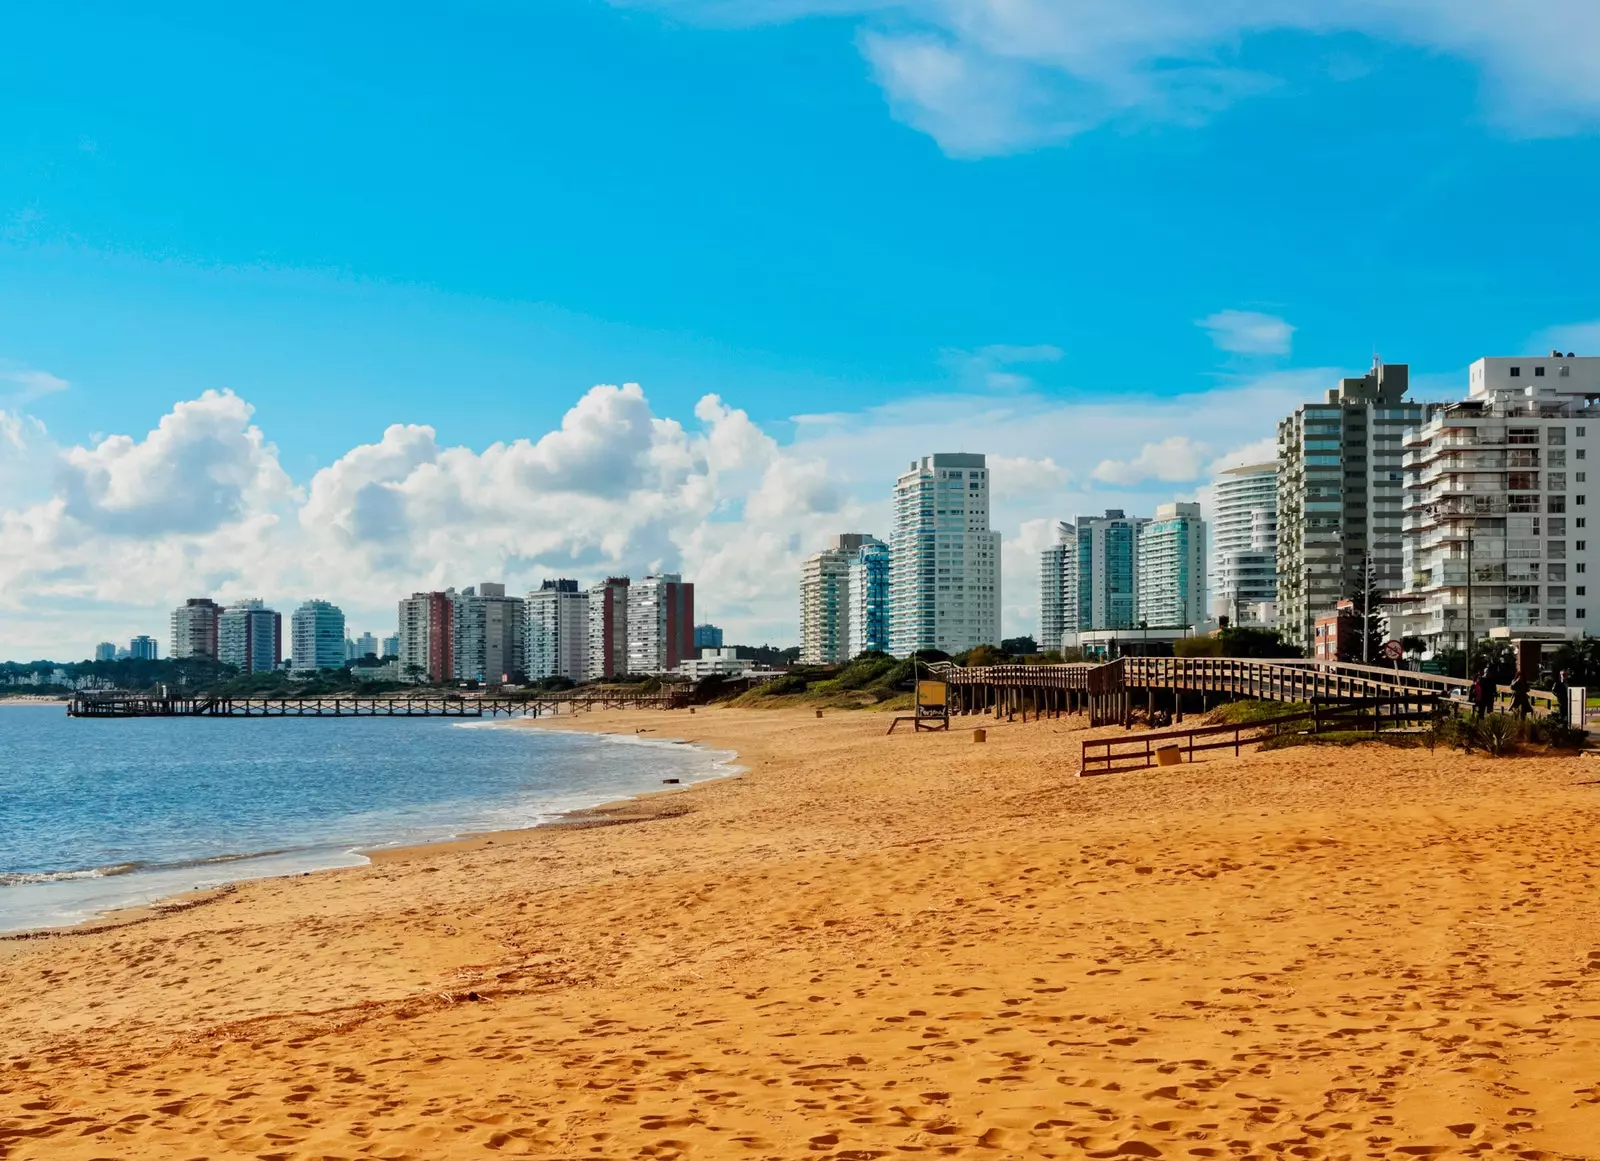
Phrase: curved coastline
[142,890]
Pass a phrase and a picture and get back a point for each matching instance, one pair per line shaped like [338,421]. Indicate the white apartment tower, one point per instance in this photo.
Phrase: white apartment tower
[558,631]
[1498,506]
[826,602]
[1244,538]
[489,627]
[944,570]
[1058,590]
[1172,567]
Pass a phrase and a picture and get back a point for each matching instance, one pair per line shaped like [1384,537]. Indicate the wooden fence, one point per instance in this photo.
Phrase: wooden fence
[1139,751]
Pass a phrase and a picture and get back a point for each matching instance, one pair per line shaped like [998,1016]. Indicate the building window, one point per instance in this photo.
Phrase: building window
[1582,613]
[1579,497]
[1555,482]
[1581,591]
[1579,477]
[1555,503]
[1556,436]
[1516,372]
[1538,372]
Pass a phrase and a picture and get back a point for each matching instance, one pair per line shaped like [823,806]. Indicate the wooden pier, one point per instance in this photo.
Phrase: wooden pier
[124,705]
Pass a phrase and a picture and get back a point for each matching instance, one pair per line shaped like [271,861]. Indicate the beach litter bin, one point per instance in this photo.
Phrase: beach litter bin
[1169,755]
[980,735]
[819,713]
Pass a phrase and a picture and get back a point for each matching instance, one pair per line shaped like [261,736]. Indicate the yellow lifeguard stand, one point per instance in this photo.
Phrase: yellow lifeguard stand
[931,707]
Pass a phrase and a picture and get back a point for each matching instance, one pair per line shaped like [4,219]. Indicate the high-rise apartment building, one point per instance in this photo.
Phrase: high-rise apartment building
[366,646]
[869,599]
[250,637]
[826,601]
[558,631]
[426,638]
[194,629]
[1244,545]
[316,637]
[707,637]
[391,648]
[1500,481]
[1058,590]
[143,648]
[1172,567]
[944,561]
[660,623]
[1341,488]
[608,628]
[1107,571]
[105,651]
[489,642]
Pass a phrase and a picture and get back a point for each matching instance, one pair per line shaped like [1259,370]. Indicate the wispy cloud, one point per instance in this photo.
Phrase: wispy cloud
[23,384]
[996,76]
[994,367]
[1248,332]
[1580,338]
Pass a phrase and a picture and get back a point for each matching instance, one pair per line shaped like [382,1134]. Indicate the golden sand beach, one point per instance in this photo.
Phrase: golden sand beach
[872,946]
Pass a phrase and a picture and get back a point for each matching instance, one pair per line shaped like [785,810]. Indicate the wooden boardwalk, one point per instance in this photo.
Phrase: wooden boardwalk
[122,705]
[1109,693]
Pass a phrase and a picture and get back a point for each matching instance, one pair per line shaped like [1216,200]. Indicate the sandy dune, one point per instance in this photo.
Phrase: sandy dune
[874,947]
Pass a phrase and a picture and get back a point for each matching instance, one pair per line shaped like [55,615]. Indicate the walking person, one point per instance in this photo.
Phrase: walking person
[1561,690]
[1521,703]
[1484,693]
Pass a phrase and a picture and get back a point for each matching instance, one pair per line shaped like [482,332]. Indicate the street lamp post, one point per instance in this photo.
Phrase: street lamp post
[1470,524]
[1366,609]
[1311,645]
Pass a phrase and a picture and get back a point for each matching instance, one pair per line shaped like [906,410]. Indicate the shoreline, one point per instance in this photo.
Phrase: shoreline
[609,812]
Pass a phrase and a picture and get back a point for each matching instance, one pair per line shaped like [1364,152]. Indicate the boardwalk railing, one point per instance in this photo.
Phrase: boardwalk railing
[1138,751]
[1107,692]
[123,705]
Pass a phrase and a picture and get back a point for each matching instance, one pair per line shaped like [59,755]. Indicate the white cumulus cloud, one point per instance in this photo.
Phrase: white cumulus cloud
[122,529]
[1176,459]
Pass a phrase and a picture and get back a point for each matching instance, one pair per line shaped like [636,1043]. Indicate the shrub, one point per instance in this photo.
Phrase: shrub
[1496,733]
[1340,738]
[1235,712]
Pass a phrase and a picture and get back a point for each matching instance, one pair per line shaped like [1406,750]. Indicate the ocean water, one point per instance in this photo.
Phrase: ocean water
[96,814]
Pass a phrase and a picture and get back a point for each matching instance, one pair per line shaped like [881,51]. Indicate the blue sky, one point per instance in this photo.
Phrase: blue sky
[925,219]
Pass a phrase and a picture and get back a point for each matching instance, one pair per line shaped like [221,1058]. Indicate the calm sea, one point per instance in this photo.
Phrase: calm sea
[102,814]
